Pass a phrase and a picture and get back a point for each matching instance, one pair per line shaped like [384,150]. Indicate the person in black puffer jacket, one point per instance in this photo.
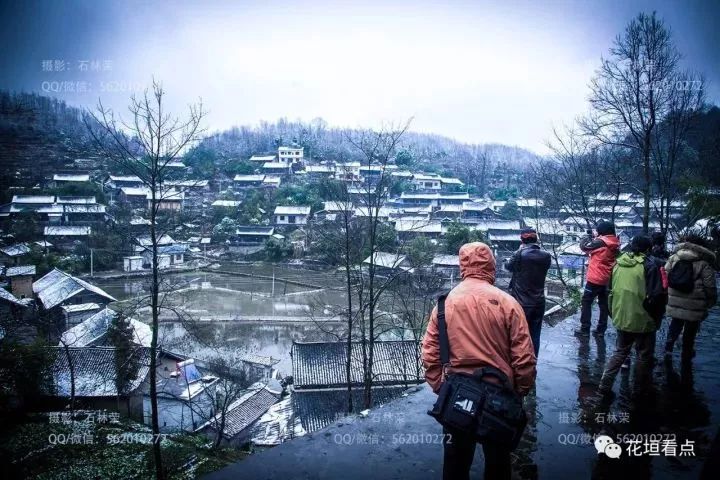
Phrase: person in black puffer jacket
[529,266]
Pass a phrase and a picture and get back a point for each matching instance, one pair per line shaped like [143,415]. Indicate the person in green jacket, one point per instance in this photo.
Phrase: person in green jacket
[629,305]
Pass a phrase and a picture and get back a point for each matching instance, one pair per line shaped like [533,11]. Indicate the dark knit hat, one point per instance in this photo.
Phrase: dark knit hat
[528,235]
[605,228]
[640,244]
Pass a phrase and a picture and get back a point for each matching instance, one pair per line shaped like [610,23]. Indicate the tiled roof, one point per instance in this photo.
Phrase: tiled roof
[9,297]
[67,230]
[322,364]
[292,210]
[67,177]
[57,286]
[20,270]
[317,409]
[95,371]
[15,250]
[94,329]
[244,411]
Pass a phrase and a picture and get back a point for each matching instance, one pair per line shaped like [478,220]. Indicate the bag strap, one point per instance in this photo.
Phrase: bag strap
[442,331]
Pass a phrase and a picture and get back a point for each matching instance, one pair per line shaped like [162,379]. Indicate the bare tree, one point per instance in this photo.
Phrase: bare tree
[146,146]
[377,149]
[626,103]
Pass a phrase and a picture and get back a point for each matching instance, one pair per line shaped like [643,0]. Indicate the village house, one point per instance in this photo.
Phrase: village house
[186,396]
[450,184]
[427,182]
[320,379]
[97,380]
[411,227]
[277,168]
[388,263]
[21,279]
[133,263]
[271,181]
[60,179]
[477,210]
[242,414]
[66,236]
[114,183]
[261,159]
[170,199]
[14,254]
[249,235]
[446,265]
[93,331]
[74,314]
[291,214]
[135,197]
[168,255]
[319,172]
[58,288]
[291,155]
[16,316]
[248,181]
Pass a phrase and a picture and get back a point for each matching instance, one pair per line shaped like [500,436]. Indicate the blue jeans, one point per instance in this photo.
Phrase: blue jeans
[534,316]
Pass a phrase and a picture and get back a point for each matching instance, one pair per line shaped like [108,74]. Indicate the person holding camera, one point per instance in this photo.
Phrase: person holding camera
[529,266]
[602,249]
[486,327]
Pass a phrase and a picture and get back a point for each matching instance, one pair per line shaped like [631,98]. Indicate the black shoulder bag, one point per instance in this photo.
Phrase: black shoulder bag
[471,404]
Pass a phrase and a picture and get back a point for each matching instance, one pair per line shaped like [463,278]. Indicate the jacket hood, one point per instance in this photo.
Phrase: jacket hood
[611,241]
[693,252]
[630,259]
[477,261]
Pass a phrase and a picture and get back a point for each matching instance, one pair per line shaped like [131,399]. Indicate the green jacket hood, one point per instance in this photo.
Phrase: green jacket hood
[630,259]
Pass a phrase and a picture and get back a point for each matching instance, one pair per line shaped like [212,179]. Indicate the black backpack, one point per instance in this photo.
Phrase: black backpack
[682,276]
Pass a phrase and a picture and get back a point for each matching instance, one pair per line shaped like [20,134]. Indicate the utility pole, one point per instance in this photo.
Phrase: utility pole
[91,262]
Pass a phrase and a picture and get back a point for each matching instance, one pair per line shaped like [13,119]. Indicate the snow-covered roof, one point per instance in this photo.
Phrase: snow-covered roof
[290,149]
[319,168]
[292,210]
[260,359]
[187,183]
[71,177]
[96,372]
[9,297]
[74,200]
[276,166]
[125,178]
[262,158]
[57,286]
[249,178]
[146,241]
[252,230]
[244,411]
[135,191]
[508,225]
[322,364]
[476,206]
[93,329]
[446,260]
[451,181]
[423,177]
[389,260]
[334,206]
[415,225]
[33,199]
[529,202]
[67,231]
[226,203]
[16,250]
[80,307]
[20,270]
[139,221]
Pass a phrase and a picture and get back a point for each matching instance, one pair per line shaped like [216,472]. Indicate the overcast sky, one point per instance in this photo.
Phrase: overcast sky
[481,71]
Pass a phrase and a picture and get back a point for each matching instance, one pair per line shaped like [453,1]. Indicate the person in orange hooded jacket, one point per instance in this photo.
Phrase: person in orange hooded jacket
[486,327]
[602,249]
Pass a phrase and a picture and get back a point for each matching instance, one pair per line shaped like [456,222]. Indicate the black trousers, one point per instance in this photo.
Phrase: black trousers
[459,451]
[691,329]
[534,316]
[591,292]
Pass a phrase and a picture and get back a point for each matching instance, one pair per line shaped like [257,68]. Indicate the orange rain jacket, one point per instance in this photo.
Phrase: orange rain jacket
[486,326]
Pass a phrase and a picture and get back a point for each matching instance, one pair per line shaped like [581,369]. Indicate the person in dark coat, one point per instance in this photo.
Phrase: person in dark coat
[689,309]
[659,250]
[529,266]
[602,249]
